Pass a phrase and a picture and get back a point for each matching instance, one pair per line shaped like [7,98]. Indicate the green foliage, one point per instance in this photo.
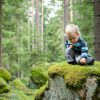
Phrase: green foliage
[15,42]
[5,74]
[54,39]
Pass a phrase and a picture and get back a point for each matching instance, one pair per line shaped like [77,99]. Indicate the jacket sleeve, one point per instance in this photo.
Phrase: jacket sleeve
[84,50]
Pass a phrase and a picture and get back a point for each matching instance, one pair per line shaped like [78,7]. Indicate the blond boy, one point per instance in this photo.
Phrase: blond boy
[77,49]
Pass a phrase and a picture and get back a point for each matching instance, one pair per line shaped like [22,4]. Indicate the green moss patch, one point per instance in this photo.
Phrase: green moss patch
[74,75]
[39,74]
[19,85]
[16,94]
[5,74]
[3,86]
[39,92]
[55,70]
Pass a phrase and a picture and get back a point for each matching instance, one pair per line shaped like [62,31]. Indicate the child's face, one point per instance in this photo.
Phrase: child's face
[73,38]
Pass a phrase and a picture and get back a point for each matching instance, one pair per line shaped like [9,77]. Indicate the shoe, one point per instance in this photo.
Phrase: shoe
[73,62]
[92,62]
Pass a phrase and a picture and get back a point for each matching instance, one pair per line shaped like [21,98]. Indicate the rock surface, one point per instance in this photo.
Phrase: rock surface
[71,82]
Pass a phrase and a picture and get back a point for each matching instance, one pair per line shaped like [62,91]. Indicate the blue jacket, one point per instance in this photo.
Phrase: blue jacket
[80,47]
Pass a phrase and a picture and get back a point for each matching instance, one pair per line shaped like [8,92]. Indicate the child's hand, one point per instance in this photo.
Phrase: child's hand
[83,60]
[71,46]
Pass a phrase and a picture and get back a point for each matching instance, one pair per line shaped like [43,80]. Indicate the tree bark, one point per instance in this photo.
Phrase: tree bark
[0,33]
[42,24]
[37,17]
[97,29]
[66,13]
[37,27]
[66,16]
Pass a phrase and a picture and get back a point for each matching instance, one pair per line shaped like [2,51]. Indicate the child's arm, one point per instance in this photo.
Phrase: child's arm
[84,52]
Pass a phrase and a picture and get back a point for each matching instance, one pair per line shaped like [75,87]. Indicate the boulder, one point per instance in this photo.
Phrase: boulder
[71,82]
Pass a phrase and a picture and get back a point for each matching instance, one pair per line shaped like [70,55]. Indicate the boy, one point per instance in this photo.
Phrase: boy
[77,50]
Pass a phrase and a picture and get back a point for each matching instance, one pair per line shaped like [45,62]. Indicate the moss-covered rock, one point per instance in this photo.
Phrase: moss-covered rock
[19,85]
[75,78]
[16,94]
[3,86]
[39,74]
[5,74]
[39,92]
[13,90]
[74,75]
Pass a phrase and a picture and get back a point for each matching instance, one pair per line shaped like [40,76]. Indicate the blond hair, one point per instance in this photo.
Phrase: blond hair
[72,28]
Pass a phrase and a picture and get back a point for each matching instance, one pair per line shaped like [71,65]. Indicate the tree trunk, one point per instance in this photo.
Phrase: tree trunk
[37,17]
[66,13]
[97,29]
[37,27]
[33,24]
[0,33]
[42,24]
[66,16]
[71,11]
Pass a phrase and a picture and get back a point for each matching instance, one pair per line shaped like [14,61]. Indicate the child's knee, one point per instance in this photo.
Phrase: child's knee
[69,51]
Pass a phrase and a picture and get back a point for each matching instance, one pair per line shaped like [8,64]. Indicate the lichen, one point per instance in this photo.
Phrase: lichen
[5,74]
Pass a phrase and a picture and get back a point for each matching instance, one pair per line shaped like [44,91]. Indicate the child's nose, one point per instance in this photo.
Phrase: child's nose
[73,40]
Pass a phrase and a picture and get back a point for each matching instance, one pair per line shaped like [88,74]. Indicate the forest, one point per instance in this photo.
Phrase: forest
[32,36]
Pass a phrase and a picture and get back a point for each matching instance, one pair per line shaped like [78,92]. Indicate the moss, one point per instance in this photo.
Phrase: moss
[5,74]
[55,70]
[5,89]
[74,75]
[19,85]
[39,76]
[39,92]
[15,94]
[3,86]
[25,80]
[2,82]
